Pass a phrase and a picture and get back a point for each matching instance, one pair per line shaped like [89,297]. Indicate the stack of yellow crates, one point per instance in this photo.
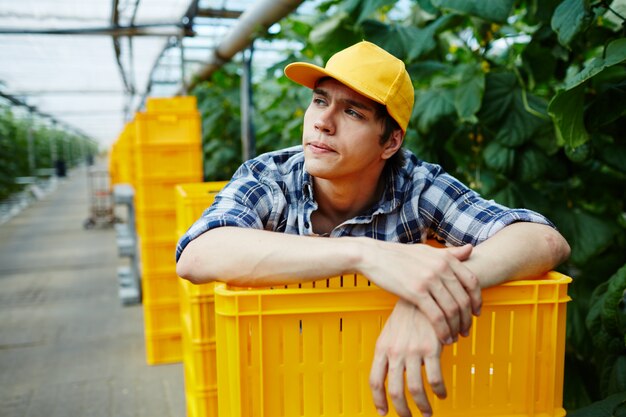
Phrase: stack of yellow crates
[197,310]
[114,163]
[126,149]
[122,156]
[168,151]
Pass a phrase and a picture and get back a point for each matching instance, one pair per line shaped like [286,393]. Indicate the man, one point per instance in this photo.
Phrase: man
[351,181]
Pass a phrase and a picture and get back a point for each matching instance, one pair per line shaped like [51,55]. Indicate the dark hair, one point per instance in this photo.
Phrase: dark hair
[389,126]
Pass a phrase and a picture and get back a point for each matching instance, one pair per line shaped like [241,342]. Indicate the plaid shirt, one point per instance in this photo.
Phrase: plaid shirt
[274,192]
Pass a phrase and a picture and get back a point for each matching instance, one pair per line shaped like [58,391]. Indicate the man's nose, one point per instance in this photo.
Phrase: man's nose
[325,122]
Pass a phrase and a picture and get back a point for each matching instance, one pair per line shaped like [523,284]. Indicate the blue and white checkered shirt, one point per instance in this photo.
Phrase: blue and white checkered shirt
[274,192]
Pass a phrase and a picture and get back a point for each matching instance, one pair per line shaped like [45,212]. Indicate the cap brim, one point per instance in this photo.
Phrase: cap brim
[307,75]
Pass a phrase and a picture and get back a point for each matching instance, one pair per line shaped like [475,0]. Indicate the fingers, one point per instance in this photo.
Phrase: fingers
[378,373]
[407,342]
[415,384]
[467,279]
[462,253]
[455,292]
[432,365]
[445,301]
[438,319]
[462,300]
[396,389]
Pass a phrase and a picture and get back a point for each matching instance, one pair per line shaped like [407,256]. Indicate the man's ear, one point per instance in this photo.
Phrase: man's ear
[393,144]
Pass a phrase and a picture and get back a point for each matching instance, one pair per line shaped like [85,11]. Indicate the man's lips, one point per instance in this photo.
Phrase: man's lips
[320,147]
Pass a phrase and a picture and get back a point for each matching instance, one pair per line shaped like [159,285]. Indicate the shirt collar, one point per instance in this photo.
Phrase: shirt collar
[307,185]
[390,199]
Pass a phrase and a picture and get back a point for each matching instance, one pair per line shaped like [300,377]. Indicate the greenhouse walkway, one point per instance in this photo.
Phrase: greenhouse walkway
[68,348]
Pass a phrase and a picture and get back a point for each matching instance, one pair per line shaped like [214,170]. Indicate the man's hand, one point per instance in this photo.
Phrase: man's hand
[433,279]
[406,342]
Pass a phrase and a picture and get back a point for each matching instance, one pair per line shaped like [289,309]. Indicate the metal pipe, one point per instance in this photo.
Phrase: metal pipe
[248,143]
[182,65]
[153,29]
[261,15]
[219,13]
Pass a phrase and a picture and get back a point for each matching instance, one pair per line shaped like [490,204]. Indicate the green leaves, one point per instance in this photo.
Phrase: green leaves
[568,19]
[398,40]
[432,105]
[605,322]
[612,406]
[504,110]
[587,234]
[567,107]
[406,42]
[500,158]
[615,53]
[459,92]
[369,7]
[15,148]
[492,10]
[468,95]
[566,110]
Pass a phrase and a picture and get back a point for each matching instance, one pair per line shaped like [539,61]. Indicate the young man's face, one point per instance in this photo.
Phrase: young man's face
[341,136]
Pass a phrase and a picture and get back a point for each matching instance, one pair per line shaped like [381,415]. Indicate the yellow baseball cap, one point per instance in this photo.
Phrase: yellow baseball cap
[370,71]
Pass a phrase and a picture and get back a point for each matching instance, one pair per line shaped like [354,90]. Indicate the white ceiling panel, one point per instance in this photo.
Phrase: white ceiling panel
[78,80]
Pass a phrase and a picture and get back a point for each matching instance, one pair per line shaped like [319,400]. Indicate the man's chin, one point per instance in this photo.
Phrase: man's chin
[316,169]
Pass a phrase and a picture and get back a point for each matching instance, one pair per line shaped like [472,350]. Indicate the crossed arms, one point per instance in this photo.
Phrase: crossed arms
[439,289]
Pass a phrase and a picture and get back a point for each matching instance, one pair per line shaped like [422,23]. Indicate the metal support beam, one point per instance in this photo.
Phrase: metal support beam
[157,29]
[248,147]
[261,15]
[219,13]
[182,65]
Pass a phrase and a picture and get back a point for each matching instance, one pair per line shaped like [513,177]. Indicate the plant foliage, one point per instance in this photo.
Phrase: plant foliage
[27,145]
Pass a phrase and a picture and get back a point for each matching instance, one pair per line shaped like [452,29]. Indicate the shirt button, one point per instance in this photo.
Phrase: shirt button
[306,225]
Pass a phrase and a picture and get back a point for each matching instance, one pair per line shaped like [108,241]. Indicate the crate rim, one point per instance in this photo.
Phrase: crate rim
[224,290]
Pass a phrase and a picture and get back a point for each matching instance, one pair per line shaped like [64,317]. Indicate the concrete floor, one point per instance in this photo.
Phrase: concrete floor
[67,345]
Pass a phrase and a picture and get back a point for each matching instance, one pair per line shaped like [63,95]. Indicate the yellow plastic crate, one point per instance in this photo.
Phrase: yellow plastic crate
[157,256]
[197,310]
[125,154]
[161,316]
[191,201]
[308,351]
[157,224]
[169,160]
[163,347]
[200,373]
[168,128]
[160,287]
[113,162]
[159,193]
[171,104]
[202,403]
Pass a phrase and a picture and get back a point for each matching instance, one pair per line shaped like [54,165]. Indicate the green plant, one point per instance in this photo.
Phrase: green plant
[27,145]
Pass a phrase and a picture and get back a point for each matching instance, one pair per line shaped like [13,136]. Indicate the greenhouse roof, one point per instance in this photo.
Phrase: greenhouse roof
[73,61]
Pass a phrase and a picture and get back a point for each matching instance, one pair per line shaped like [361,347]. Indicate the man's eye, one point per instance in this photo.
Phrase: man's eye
[353,113]
[319,101]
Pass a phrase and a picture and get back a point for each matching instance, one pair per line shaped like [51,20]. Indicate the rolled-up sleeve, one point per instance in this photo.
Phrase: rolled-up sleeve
[244,202]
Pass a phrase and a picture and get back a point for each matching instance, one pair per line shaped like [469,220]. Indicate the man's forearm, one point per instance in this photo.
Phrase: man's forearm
[521,250]
[251,257]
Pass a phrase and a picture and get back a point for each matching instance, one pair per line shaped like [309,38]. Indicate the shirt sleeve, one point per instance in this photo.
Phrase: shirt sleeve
[244,202]
[459,215]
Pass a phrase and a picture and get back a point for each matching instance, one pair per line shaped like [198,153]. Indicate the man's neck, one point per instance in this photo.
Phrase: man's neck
[339,201]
